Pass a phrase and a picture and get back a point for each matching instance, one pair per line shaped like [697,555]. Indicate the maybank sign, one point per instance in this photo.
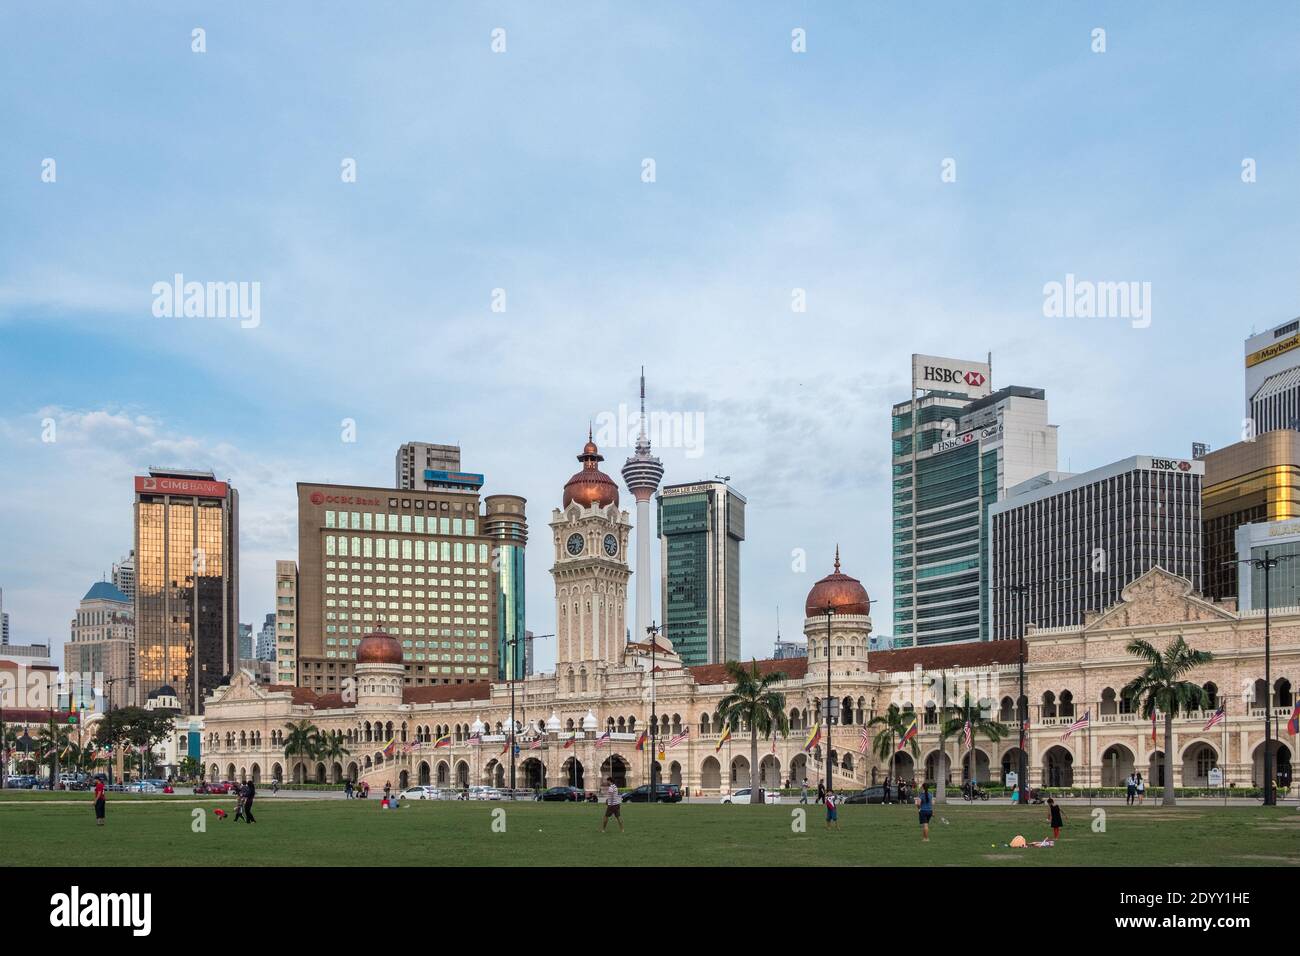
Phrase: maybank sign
[932,373]
[1272,351]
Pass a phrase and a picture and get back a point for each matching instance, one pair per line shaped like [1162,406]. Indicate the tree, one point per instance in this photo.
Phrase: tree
[190,768]
[136,728]
[894,724]
[753,702]
[980,726]
[331,746]
[302,741]
[51,744]
[1161,687]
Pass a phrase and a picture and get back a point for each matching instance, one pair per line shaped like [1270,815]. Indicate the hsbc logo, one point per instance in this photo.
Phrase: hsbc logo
[949,376]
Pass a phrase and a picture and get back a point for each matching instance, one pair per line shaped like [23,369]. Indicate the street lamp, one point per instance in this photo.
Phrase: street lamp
[1267,564]
[652,632]
[829,709]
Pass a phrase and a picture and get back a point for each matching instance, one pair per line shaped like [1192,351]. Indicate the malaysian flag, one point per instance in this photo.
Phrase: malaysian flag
[537,743]
[1081,722]
[1216,718]
[863,742]
[602,739]
[966,735]
[678,738]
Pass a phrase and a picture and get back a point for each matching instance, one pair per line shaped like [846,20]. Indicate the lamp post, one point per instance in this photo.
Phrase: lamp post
[514,651]
[828,706]
[1267,564]
[652,632]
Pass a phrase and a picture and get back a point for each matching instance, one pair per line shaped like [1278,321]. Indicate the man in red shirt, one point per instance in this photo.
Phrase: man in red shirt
[99,802]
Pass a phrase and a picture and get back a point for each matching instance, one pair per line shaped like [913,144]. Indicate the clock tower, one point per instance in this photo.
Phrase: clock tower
[591,569]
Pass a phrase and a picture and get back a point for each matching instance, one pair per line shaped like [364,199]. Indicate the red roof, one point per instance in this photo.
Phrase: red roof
[304,695]
[442,693]
[792,667]
[940,656]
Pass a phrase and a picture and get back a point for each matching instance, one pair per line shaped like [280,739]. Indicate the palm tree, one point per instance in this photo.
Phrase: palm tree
[980,725]
[302,741]
[331,746]
[52,741]
[894,724]
[753,701]
[1161,687]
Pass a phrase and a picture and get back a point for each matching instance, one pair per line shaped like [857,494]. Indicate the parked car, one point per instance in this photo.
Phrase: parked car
[742,796]
[421,792]
[869,795]
[562,795]
[143,786]
[22,781]
[664,793]
[222,786]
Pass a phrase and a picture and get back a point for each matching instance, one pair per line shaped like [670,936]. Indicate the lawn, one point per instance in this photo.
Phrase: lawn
[145,831]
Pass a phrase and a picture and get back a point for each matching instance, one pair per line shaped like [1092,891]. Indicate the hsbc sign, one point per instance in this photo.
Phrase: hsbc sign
[932,373]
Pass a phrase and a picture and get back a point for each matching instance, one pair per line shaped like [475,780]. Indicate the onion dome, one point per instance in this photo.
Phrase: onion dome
[379,647]
[553,723]
[590,486]
[477,726]
[839,592]
[589,722]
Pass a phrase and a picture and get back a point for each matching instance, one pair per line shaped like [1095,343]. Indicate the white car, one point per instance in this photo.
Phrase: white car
[142,786]
[742,796]
[424,792]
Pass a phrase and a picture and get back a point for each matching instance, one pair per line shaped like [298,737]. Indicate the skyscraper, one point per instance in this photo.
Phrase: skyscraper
[1273,378]
[1084,538]
[957,446]
[101,651]
[4,619]
[187,583]
[504,520]
[642,474]
[124,575]
[266,639]
[246,642]
[701,526]
[422,466]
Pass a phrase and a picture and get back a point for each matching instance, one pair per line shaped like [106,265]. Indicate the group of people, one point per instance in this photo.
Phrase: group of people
[244,795]
[359,792]
[1134,789]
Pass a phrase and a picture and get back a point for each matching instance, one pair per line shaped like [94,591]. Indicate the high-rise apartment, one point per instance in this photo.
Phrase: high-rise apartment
[187,583]
[957,446]
[1273,378]
[124,575]
[701,525]
[286,622]
[505,521]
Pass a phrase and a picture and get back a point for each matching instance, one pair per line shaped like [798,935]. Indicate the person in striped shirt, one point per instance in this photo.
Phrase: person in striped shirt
[613,805]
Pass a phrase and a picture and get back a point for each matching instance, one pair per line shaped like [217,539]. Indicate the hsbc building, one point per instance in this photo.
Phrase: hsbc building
[957,445]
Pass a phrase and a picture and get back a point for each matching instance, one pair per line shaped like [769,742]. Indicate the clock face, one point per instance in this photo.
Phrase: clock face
[575,544]
[611,545]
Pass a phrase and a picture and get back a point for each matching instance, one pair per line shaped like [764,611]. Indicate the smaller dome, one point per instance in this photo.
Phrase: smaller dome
[590,486]
[379,647]
[589,722]
[477,726]
[841,593]
[166,690]
[553,723]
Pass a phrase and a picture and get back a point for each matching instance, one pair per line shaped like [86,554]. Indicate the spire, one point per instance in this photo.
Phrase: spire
[642,402]
[837,558]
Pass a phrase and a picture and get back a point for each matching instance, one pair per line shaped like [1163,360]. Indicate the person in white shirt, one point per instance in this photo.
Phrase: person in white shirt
[613,806]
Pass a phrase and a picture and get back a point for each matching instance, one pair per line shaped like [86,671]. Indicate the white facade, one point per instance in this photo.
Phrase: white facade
[1273,378]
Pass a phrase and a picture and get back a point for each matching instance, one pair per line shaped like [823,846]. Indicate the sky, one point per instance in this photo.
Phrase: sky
[918,172]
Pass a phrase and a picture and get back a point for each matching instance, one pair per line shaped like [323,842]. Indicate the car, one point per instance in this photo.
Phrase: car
[422,792]
[217,787]
[22,781]
[143,786]
[483,793]
[664,793]
[869,795]
[742,796]
[561,795]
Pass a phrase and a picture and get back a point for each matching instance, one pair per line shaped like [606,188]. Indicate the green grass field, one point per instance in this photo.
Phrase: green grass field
[39,829]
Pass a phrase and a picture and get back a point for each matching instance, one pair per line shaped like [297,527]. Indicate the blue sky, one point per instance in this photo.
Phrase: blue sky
[522,171]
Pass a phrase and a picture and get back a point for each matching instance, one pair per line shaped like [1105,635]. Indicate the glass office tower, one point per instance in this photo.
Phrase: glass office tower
[187,583]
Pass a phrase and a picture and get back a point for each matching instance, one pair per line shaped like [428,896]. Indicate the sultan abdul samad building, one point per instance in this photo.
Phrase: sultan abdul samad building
[582,722]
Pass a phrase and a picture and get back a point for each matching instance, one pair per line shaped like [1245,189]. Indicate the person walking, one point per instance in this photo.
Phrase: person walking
[275,785]
[1054,818]
[250,791]
[347,789]
[239,802]
[1130,790]
[100,790]
[885,798]
[1141,790]
[832,810]
[803,792]
[613,806]
[821,791]
[925,807]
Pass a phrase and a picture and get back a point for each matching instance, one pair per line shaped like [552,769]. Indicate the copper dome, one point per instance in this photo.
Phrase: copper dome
[590,486]
[379,647]
[843,594]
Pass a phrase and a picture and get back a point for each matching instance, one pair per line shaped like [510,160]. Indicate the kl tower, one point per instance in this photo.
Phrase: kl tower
[642,474]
